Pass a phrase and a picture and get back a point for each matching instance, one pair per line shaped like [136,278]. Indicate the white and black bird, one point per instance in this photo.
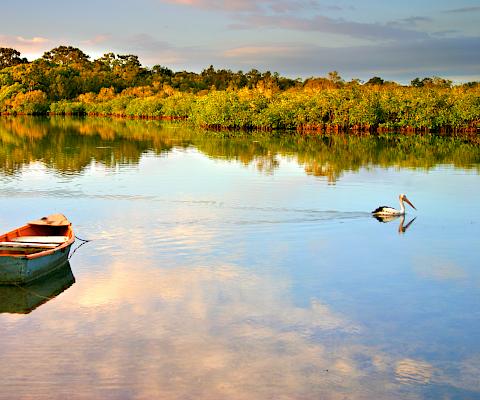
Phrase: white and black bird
[385,210]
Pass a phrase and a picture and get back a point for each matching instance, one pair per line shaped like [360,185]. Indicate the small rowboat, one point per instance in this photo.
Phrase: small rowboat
[35,249]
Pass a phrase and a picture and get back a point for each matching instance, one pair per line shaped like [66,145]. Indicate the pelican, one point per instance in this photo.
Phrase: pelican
[384,210]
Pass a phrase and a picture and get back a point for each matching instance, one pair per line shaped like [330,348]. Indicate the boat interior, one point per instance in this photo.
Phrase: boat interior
[33,238]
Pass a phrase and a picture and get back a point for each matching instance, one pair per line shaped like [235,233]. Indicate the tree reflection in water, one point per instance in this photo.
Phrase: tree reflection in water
[68,145]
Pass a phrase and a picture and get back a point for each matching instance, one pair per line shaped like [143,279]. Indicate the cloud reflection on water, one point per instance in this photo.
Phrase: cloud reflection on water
[199,331]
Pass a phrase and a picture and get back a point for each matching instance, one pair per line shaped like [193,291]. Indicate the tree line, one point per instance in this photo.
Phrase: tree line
[66,72]
[65,81]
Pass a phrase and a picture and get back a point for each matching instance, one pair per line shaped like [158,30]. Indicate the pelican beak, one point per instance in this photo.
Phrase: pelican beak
[410,204]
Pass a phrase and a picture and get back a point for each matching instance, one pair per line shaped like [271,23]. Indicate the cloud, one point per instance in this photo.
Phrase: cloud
[282,15]
[157,52]
[232,5]
[98,39]
[410,371]
[35,44]
[289,15]
[254,54]
[143,41]
[218,331]
[213,332]
[411,21]
[260,6]
[462,10]
[440,269]
[276,6]
[446,32]
[319,23]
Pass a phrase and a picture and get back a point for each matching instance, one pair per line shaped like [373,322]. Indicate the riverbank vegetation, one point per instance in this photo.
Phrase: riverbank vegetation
[65,81]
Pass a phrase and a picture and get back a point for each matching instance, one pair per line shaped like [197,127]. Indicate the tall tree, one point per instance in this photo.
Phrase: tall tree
[334,77]
[129,60]
[376,80]
[107,60]
[162,71]
[66,55]
[10,57]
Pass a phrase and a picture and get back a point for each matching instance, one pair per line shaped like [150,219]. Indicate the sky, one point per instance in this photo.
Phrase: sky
[297,38]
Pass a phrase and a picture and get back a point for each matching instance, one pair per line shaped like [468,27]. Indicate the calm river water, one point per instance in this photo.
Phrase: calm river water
[245,268]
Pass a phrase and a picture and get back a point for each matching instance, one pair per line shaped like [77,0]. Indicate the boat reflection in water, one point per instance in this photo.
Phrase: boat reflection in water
[389,218]
[23,299]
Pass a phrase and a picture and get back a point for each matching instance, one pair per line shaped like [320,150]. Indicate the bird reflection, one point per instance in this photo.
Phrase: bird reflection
[389,218]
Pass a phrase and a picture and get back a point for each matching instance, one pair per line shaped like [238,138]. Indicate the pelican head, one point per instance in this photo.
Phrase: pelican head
[403,198]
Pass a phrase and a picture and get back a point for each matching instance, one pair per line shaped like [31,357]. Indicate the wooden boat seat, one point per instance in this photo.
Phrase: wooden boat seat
[23,243]
[26,245]
[41,239]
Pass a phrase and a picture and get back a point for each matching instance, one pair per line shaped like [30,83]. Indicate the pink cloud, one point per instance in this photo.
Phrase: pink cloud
[249,51]
[232,5]
[257,54]
[96,40]
[25,45]
[277,6]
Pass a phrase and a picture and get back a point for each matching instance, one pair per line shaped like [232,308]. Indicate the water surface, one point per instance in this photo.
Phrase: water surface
[242,268]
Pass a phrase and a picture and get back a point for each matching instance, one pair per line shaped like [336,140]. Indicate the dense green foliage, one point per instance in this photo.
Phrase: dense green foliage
[65,81]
